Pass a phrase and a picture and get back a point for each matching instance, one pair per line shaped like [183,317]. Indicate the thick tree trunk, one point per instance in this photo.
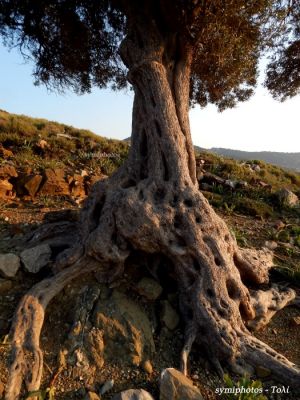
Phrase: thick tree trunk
[152,204]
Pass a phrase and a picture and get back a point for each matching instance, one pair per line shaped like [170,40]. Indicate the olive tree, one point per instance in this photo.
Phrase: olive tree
[173,54]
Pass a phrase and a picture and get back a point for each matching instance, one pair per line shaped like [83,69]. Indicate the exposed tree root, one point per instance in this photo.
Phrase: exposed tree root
[27,365]
[267,302]
[204,259]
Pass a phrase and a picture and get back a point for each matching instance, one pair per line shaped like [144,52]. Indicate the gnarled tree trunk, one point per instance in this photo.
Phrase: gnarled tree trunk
[153,204]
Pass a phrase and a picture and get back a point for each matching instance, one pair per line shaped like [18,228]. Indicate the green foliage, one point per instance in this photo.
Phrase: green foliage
[244,384]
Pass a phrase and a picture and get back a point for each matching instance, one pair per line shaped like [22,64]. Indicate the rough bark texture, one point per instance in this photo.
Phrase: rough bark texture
[152,204]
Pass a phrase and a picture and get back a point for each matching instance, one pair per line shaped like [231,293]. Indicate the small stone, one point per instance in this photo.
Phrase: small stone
[168,315]
[174,385]
[262,372]
[5,286]
[296,321]
[9,265]
[36,258]
[149,288]
[108,385]
[195,377]
[43,144]
[279,225]
[133,394]
[147,367]
[274,331]
[271,244]
[91,396]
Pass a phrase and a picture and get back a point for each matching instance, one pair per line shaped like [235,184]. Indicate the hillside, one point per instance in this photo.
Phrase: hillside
[46,171]
[286,160]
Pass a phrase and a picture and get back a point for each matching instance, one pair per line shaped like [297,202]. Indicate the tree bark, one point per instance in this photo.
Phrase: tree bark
[152,204]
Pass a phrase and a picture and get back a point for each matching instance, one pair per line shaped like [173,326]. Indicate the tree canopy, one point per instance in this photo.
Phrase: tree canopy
[74,43]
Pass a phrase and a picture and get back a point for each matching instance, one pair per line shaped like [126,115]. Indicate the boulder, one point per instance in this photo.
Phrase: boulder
[9,265]
[6,189]
[55,183]
[133,394]
[175,386]
[36,258]
[168,316]
[122,332]
[8,171]
[287,198]
[32,184]
[149,288]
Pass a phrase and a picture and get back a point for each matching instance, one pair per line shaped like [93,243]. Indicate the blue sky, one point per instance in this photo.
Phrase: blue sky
[259,124]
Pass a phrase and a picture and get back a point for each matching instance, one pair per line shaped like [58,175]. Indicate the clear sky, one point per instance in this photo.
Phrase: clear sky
[259,124]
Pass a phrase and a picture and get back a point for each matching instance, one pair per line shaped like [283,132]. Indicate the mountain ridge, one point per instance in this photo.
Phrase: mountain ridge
[282,159]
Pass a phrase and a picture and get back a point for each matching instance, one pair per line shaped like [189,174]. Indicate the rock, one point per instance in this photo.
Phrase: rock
[36,258]
[5,286]
[262,372]
[108,385]
[270,244]
[287,198]
[168,315]
[5,153]
[32,184]
[9,265]
[92,396]
[43,144]
[149,288]
[121,334]
[84,173]
[255,167]
[296,321]
[175,386]
[6,189]
[134,394]
[147,367]
[8,171]
[55,183]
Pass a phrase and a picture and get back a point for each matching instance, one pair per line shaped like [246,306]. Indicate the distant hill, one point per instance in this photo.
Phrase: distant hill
[285,160]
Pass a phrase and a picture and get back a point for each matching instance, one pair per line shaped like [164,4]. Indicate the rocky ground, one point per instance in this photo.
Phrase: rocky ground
[124,335]
[99,340]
